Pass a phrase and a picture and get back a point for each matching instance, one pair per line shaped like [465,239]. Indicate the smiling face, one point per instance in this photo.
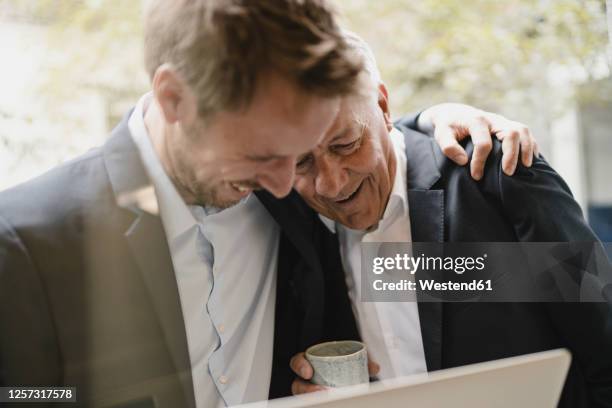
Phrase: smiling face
[348,177]
[221,160]
[241,88]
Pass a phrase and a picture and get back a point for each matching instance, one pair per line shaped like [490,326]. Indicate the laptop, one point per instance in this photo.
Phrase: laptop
[531,380]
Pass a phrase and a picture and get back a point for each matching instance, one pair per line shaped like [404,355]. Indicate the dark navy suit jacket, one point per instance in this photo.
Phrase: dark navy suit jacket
[447,205]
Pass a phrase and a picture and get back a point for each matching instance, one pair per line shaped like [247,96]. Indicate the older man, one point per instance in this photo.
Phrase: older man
[145,272]
[375,181]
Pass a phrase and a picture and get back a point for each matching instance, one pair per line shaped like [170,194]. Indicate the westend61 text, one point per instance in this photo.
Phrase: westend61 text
[430,284]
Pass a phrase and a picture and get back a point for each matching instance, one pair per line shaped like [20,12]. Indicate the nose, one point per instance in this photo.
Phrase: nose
[278,176]
[329,180]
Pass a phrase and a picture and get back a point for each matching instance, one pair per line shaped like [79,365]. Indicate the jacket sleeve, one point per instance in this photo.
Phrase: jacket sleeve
[28,348]
[541,208]
[410,121]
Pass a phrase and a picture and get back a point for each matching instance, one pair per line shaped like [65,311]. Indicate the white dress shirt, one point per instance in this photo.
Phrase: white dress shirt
[225,266]
[390,330]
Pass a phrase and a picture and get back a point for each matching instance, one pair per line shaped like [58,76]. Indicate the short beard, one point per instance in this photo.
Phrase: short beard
[210,198]
[198,195]
[186,183]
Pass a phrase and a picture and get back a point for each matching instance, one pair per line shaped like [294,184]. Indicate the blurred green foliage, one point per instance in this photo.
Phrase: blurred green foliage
[92,43]
[486,52]
[489,53]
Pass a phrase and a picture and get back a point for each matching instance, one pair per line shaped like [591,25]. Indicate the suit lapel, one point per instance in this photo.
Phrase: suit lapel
[426,208]
[295,219]
[426,220]
[300,285]
[147,242]
[304,273]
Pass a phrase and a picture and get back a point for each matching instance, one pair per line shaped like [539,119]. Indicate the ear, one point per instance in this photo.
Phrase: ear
[173,95]
[383,103]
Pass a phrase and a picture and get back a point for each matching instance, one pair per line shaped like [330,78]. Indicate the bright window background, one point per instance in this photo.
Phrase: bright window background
[71,68]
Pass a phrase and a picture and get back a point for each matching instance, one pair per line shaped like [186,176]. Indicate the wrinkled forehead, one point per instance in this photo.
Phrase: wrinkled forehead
[355,115]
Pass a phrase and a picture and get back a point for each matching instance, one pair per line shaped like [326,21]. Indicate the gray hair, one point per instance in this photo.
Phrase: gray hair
[362,48]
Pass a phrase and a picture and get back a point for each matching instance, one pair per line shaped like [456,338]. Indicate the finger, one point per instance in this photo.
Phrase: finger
[373,368]
[510,149]
[527,142]
[301,366]
[302,387]
[447,139]
[481,138]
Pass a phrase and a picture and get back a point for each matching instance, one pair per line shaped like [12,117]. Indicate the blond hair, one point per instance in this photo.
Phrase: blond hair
[221,47]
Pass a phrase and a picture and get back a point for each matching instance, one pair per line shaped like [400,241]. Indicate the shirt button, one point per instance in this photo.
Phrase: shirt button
[221,328]
[223,379]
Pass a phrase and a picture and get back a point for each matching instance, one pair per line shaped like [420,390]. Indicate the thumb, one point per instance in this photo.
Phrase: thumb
[447,138]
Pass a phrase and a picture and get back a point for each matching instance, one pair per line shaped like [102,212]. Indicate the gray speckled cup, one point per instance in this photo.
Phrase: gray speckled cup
[339,363]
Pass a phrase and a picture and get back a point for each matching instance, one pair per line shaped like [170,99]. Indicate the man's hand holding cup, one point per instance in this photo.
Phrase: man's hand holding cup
[331,364]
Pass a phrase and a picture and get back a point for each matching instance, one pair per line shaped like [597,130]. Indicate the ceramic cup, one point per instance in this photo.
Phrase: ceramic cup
[339,363]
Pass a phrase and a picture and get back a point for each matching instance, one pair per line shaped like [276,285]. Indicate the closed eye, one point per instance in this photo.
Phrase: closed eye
[304,163]
[347,148]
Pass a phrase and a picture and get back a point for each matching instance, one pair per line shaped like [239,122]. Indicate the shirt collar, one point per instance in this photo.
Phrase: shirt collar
[398,199]
[176,215]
